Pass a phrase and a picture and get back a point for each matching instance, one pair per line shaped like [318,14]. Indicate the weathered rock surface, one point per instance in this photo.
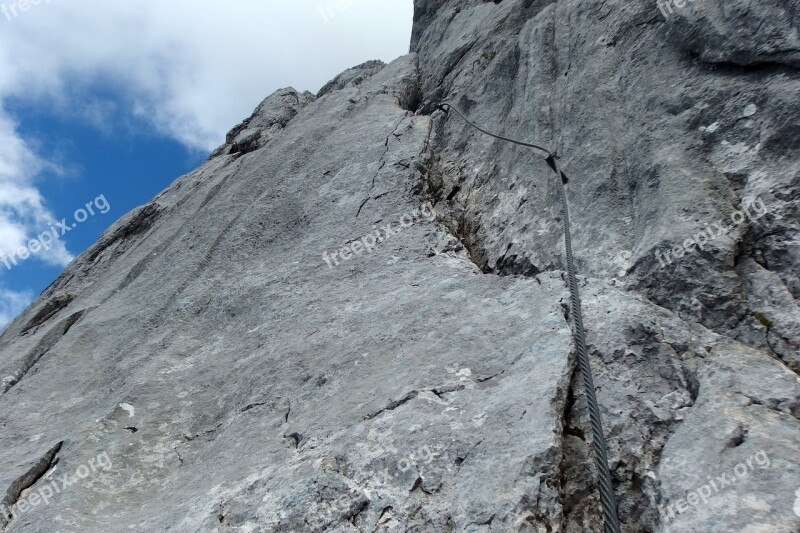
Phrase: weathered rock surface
[352,77]
[241,370]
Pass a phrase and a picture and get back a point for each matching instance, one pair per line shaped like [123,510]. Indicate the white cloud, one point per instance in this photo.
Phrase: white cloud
[192,68]
[11,304]
[195,67]
[22,209]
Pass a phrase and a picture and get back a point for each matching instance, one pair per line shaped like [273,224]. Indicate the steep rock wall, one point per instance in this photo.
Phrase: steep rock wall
[250,358]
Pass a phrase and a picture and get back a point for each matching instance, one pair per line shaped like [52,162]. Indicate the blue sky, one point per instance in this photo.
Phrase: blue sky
[117,99]
[127,168]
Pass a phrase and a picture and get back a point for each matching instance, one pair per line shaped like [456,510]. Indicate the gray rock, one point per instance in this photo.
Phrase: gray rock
[352,317]
[741,32]
[352,77]
[269,118]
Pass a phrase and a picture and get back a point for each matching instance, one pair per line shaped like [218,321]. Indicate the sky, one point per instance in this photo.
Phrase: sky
[104,103]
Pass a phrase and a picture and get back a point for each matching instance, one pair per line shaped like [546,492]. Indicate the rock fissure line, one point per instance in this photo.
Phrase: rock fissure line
[381,166]
[26,481]
[47,343]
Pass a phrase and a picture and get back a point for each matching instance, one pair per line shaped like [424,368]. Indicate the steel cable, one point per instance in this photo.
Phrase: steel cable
[607,499]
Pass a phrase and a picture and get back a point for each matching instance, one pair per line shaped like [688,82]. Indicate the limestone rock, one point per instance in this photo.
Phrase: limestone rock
[352,317]
[352,77]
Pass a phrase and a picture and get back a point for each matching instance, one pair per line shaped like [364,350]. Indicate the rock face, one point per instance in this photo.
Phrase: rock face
[352,317]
